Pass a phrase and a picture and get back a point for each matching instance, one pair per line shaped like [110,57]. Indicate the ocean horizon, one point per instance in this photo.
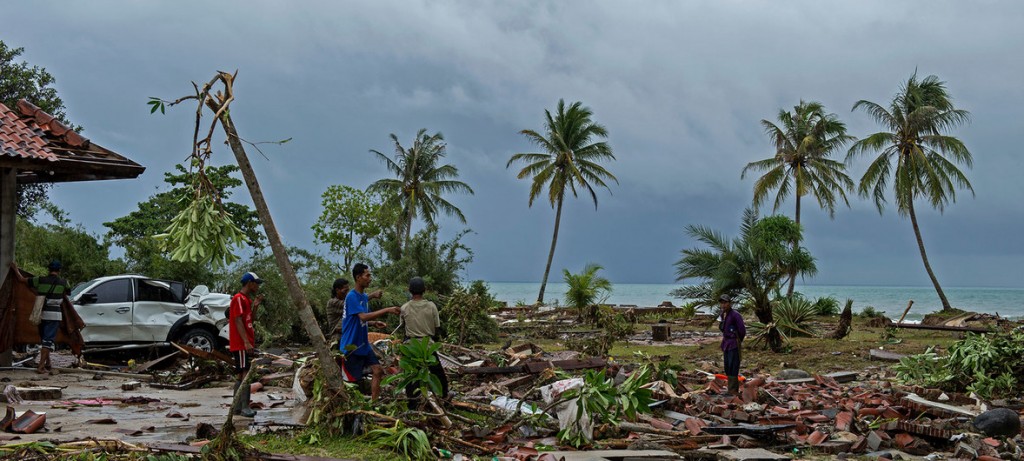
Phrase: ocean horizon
[890,300]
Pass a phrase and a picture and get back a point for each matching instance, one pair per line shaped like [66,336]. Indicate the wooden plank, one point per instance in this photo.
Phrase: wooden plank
[917,326]
[215,354]
[574,364]
[491,370]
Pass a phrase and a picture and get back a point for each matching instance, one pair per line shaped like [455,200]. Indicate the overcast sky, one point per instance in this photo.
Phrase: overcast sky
[681,88]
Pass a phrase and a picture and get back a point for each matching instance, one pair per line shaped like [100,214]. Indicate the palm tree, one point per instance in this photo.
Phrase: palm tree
[419,181]
[586,289]
[806,139]
[750,266]
[915,153]
[569,162]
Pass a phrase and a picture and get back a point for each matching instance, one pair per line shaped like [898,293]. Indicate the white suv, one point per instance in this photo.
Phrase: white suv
[132,311]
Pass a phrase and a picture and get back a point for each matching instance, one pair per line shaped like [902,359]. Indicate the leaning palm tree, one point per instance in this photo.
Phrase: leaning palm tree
[419,181]
[569,162]
[915,154]
[804,143]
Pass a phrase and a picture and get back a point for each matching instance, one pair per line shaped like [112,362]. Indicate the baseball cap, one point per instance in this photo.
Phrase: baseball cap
[251,277]
[725,299]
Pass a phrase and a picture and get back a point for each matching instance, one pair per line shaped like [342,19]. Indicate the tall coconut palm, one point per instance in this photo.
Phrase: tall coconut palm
[569,162]
[915,154]
[419,181]
[804,143]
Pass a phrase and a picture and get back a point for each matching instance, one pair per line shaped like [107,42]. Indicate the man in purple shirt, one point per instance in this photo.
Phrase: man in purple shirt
[733,332]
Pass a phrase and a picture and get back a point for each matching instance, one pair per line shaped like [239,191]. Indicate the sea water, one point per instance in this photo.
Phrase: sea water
[892,301]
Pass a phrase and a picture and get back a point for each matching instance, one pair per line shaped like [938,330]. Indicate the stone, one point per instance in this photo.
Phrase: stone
[792,373]
[1000,421]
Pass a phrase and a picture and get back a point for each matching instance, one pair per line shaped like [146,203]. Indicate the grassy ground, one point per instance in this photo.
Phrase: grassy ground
[333,447]
[814,355]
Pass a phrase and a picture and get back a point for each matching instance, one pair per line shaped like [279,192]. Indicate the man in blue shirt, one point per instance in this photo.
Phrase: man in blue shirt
[355,343]
[733,332]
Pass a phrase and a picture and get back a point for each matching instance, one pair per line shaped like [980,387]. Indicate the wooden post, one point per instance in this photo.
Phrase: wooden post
[911,303]
[8,209]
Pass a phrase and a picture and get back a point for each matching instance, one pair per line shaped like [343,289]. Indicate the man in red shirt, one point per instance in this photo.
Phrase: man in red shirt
[243,337]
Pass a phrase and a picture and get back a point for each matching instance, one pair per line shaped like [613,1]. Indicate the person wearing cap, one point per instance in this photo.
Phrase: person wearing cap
[421,320]
[53,287]
[355,341]
[733,332]
[336,308]
[243,336]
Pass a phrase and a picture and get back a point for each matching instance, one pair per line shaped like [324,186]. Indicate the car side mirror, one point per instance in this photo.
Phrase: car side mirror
[88,298]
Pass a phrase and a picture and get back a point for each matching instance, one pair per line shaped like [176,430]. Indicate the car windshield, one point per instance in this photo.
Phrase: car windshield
[81,287]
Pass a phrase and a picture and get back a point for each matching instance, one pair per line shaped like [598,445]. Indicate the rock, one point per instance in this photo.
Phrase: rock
[1000,421]
[792,373]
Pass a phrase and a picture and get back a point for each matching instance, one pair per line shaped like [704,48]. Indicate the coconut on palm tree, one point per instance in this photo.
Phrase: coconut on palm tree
[570,161]
[805,139]
[420,181]
[915,154]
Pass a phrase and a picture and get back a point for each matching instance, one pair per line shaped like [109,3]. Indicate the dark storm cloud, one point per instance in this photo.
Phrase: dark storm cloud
[681,88]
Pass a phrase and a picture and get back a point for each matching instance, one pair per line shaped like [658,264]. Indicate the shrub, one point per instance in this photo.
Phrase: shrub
[986,364]
[826,306]
[870,312]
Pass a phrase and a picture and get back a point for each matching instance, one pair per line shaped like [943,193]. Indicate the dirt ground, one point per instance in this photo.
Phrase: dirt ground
[94,405]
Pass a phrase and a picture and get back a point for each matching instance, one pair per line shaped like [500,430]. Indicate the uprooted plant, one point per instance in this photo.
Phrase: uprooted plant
[599,399]
[987,364]
[613,327]
[408,441]
[466,313]
[791,318]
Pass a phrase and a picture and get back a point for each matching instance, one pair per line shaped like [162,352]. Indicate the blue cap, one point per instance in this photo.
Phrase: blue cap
[54,265]
[251,277]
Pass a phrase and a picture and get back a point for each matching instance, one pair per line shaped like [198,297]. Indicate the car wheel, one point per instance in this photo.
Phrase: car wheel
[199,339]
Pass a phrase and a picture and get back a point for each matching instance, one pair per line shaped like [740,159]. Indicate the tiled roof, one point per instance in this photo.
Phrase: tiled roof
[45,150]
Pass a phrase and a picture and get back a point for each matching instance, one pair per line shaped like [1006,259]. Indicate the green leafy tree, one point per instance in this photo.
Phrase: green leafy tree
[420,181]
[83,256]
[134,232]
[585,289]
[805,141]
[750,266]
[19,80]
[440,263]
[915,154]
[570,161]
[351,219]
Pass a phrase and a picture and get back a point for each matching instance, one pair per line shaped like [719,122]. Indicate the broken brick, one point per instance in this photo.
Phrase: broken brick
[844,421]
[816,438]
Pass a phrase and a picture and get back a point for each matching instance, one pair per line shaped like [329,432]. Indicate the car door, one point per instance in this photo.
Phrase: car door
[156,309]
[108,318]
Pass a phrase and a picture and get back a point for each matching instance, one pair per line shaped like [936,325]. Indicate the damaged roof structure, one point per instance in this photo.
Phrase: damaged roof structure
[35,147]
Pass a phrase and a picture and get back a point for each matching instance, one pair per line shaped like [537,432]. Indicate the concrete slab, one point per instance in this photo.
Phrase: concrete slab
[746,454]
[615,455]
[174,417]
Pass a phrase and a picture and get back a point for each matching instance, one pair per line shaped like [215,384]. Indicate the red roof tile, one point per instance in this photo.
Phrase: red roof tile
[45,150]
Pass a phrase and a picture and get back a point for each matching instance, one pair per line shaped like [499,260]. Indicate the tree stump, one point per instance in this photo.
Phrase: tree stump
[661,332]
